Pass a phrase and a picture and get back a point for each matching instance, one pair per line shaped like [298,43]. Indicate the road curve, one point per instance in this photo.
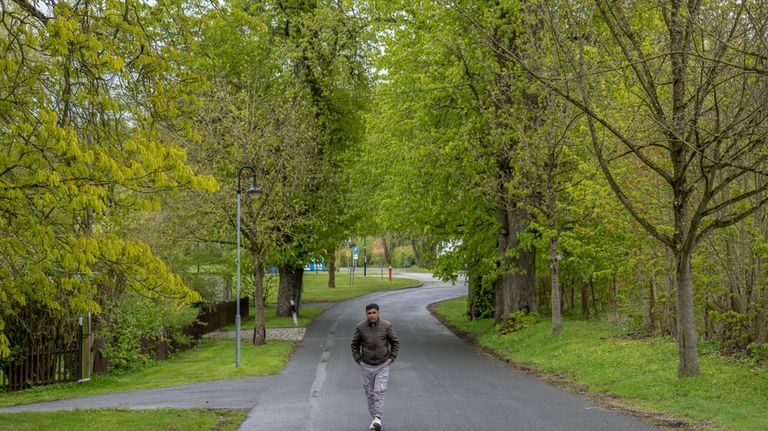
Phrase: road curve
[437,383]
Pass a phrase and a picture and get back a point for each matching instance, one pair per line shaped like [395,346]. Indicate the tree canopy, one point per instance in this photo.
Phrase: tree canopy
[566,156]
[92,103]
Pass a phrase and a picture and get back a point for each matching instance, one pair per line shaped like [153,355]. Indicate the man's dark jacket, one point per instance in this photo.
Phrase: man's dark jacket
[374,343]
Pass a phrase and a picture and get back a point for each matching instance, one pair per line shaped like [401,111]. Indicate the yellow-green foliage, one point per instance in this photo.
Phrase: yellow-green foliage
[517,321]
[133,325]
[92,107]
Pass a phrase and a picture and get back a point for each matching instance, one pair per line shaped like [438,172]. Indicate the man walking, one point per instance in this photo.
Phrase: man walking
[374,348]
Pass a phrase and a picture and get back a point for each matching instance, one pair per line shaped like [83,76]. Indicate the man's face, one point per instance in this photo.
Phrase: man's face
[373,315]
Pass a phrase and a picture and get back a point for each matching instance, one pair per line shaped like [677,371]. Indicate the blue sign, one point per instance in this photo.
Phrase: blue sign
[315,266]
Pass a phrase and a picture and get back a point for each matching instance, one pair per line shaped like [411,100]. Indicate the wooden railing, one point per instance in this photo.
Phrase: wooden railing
[44,364]
[60,361]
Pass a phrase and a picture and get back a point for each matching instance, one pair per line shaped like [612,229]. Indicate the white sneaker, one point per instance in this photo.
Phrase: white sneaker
[376,424]
[371,427]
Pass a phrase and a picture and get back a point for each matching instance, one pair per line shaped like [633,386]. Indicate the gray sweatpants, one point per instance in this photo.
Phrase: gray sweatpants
[375,379]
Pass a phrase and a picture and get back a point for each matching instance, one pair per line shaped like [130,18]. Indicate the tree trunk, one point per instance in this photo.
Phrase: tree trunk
[735,275]
[474,287]
[669,318]
[516,288]
[649,316]
[595,308]
[290,288]
[760,323]
[259,329]
[615,298]
[684,234]
[761,301]
[284,291]
[298,288]
[480,299]
[332,269]
[584,297]
[416,253]
[686,319]
[388,247]
[554,259]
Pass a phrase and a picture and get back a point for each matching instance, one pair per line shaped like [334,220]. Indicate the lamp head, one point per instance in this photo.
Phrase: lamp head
[254,190]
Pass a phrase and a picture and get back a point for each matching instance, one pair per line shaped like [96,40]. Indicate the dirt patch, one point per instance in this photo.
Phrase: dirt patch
[662,421]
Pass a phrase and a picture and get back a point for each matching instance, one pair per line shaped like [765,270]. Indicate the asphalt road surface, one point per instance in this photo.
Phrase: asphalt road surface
[437,383]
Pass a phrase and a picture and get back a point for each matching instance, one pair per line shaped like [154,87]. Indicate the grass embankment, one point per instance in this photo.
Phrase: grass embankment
[192,366]
[596,356]
[126,420]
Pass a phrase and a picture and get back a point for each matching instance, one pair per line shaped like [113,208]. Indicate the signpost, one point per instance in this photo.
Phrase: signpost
[355,255]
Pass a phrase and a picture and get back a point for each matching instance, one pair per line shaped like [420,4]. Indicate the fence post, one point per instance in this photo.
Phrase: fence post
[85,341]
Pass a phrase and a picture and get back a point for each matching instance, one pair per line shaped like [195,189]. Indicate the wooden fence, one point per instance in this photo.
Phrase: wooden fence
[61,361]
[44,364]
[215,316]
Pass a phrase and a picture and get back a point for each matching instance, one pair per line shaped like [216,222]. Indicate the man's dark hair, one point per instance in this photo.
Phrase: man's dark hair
[371,306]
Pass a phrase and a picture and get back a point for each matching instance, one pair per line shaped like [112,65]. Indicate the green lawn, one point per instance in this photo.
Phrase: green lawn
[192,366]
[729,395]
[126,420]
[316,285]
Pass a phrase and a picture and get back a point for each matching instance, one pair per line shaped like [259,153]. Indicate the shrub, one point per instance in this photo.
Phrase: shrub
[133,325]
[735,336]
[517,321]
[758,353]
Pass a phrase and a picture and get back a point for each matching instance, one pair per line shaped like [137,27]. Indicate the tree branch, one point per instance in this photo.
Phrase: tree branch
[732,218]
[29,8]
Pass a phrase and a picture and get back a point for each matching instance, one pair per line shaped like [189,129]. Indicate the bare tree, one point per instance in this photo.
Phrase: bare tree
[680,102]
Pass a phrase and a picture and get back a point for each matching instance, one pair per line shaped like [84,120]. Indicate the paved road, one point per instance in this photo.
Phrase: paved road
[437,383]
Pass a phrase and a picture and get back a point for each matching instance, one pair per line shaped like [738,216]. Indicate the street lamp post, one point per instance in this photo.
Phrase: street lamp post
[254,190]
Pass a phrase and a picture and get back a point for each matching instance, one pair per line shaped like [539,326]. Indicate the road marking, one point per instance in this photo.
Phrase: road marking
[320,376]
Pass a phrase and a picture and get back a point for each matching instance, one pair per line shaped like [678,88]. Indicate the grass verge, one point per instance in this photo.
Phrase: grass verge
[126,420]
[596,360]
[192,366]
[316,286]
